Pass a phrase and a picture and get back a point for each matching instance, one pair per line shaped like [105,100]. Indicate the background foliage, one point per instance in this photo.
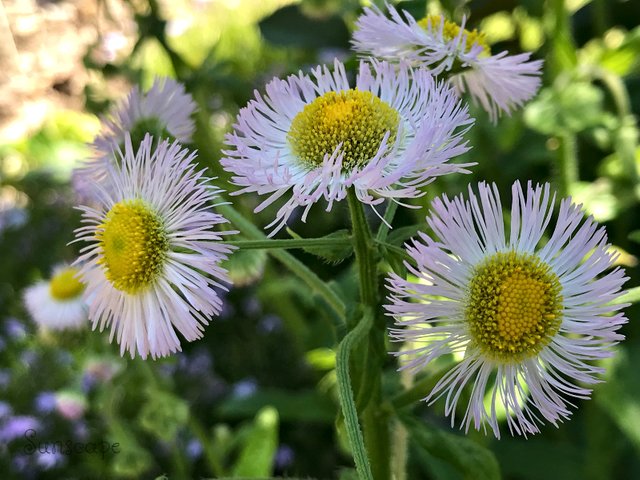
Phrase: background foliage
[256,397]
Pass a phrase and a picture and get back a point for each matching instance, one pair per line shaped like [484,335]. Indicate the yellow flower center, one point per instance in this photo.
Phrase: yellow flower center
[134,245]
[514,306]
[451,30]
[65,284]
[357,119]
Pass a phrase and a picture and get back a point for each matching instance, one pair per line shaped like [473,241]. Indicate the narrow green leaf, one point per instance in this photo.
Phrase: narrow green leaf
[333,253]
[257,455]
[347,402]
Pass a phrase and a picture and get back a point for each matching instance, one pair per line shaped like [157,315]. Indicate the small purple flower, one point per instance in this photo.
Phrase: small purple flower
[270,323]
[28,357]
[199,363]
[194,449]
[15,329]
[45,402]
[245,388]
[16,427]
[252,306]
[5,410]
[284,456]
[5,377]
[20,462]
[80,430]
[49,460]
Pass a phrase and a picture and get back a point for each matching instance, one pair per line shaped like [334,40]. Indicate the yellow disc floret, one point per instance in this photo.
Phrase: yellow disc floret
[357,119]
[134,245]
[451,30]
[514,306]
[65,284]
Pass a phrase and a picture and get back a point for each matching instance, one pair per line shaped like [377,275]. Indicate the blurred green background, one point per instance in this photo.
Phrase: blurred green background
[256,397]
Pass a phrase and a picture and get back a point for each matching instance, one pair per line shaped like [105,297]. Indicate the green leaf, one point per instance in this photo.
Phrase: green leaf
[333,254]
[257,454]
[345,394]
[634,236]
[625,58]
[597,198]
[303,406]
[470,459]
[574,108]
[290,27]
[398,236]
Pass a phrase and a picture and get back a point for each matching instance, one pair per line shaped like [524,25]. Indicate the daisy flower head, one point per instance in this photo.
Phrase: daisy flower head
[164,111]
[152,257]
[316,136]
[57,303]
[532,318]
[500,83]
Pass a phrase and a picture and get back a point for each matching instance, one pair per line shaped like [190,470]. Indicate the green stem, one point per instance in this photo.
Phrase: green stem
[288,260]
[626,136]
[291,243]
[374,420]
[568,162]
[345,394]
[364,249]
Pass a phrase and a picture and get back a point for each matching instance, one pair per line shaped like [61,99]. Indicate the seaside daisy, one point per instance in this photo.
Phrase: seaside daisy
[500,83]
[58,303]
[387,136]
[164,111]
[531,315]
[153,255]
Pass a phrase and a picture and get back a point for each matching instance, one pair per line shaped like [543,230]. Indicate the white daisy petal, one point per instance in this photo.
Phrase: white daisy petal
[500,83]
[534,315]
[313,137]
[152,260]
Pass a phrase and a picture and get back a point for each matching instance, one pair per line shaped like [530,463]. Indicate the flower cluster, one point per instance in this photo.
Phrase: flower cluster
[529,315]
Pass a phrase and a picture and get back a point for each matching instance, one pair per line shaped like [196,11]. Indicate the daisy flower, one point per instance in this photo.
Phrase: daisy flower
[532,317]
[500,83]
[316,137]
[153,259]
[164,111]
[57,303]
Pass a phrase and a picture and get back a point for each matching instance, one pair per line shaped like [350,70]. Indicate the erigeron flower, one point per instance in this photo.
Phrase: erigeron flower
[164,111]
[313,138]
[532,317]
[500,83]
[152,258]
[58,303]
